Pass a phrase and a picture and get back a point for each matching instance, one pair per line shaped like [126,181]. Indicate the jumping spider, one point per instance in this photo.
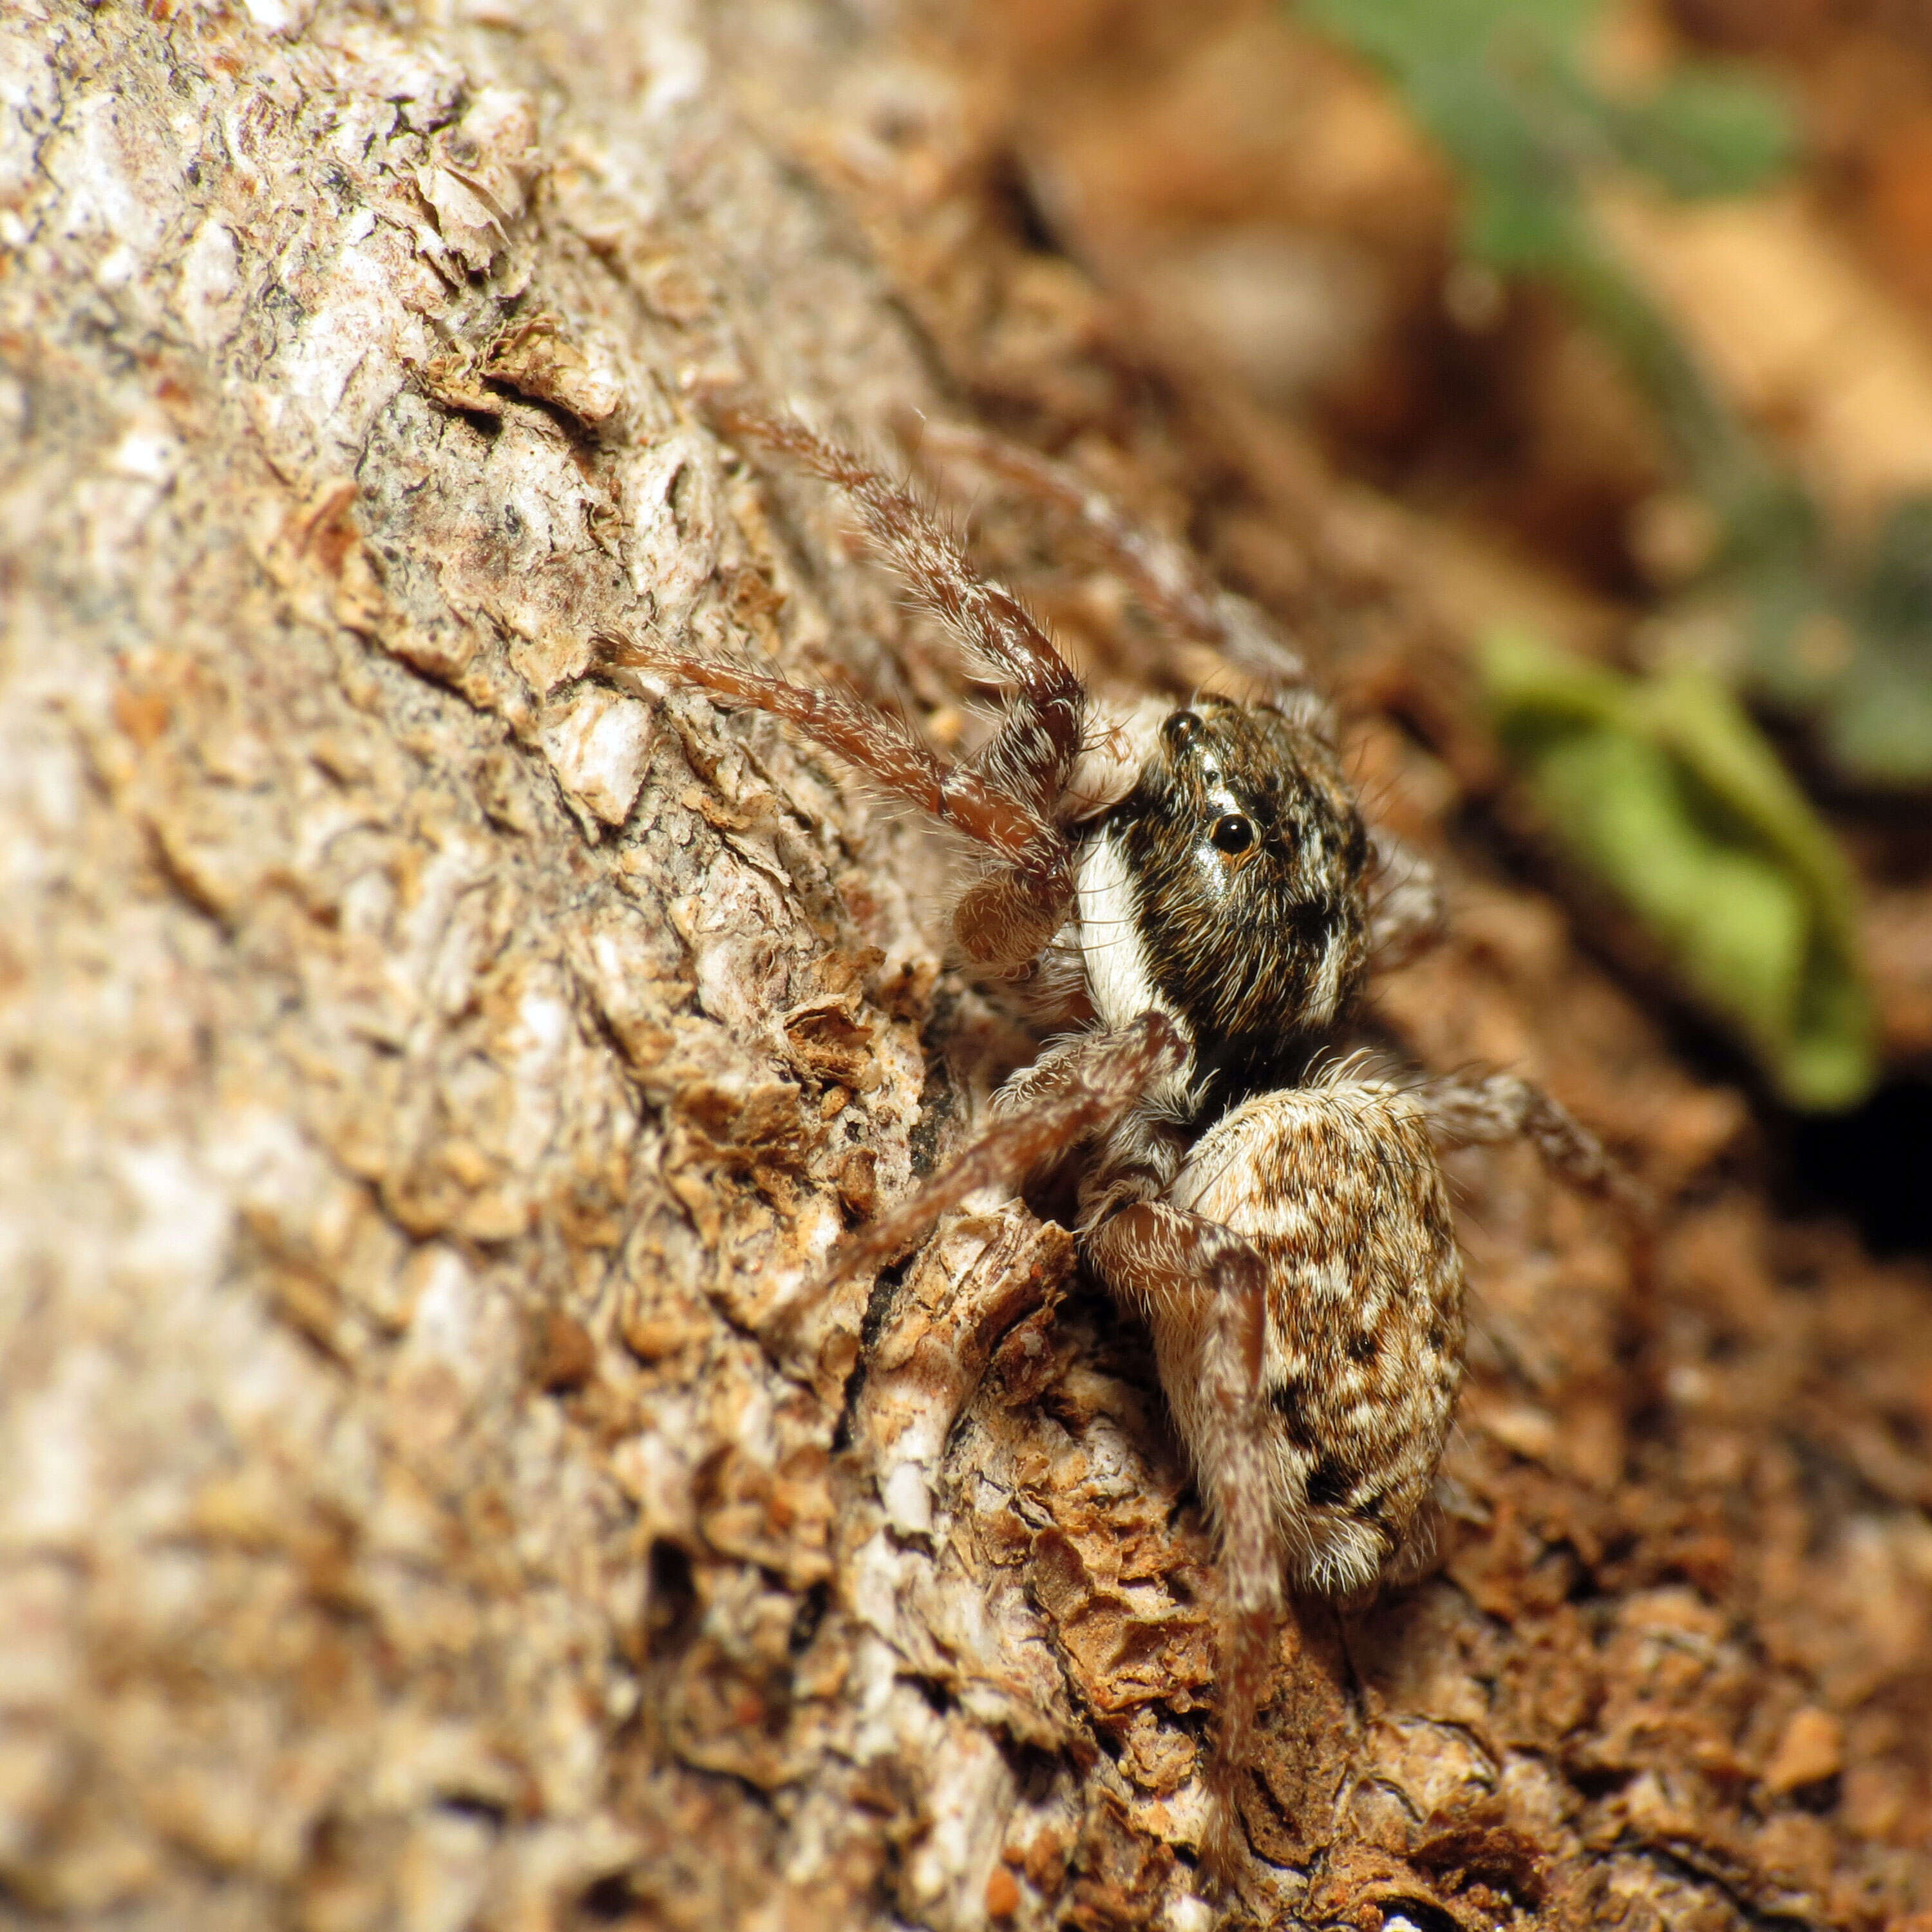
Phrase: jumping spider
[1190,900]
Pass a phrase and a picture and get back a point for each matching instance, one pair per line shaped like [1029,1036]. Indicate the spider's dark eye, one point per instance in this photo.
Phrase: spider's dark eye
[1232,833]
[1181,730]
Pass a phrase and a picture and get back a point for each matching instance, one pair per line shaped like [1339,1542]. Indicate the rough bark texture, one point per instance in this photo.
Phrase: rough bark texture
[432,1492]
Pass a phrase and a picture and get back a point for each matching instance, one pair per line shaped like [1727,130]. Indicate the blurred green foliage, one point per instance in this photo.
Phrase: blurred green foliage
[1663,786]
[1505,87]
[1665,790]
[1854,650]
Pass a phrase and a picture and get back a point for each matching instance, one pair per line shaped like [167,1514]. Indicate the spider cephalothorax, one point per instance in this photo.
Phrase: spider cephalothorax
[1192,897]
[1236,872]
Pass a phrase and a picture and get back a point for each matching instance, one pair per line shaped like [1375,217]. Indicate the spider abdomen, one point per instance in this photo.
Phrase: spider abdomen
[1337,1188]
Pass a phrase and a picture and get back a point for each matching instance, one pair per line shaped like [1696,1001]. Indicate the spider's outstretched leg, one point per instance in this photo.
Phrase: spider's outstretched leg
[1004,918]
[1007,798]
[1152,1255]
[1078,1089]
[1074,1092]
[1039,738]
[1468,1110]
[1032,755]
[1166,578]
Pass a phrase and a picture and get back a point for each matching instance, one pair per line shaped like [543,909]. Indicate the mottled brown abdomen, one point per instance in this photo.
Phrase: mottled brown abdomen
[1338,1187]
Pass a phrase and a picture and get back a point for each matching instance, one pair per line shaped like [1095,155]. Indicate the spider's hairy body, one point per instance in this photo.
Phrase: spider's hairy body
[1229,891]
[1336,1186]
[1191,895]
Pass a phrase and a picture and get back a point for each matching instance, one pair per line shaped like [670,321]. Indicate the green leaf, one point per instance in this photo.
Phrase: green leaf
[1504,86]
[1705,131]
[1665,791]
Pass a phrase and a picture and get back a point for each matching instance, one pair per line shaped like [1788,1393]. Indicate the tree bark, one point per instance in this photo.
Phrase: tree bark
[434,1489]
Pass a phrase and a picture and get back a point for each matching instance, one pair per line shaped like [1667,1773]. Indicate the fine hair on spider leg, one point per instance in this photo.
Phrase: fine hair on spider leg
[1196,900]
[1406,905]
[1476,1109]
[1164,577]
[1005,798]
[1095,1081]
[1017,904]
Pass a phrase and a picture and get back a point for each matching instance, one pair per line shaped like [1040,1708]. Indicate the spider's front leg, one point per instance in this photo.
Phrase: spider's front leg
[1001,920]
[1073,1093]
[1166,578]
[1007,798]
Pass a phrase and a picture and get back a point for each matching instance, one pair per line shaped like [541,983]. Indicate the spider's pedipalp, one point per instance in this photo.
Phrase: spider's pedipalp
[1406,914]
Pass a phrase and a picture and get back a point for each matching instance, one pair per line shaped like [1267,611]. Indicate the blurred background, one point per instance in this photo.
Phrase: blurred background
[1562,371]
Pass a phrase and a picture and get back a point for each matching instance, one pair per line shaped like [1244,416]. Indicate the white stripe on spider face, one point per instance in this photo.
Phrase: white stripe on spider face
[1118,978]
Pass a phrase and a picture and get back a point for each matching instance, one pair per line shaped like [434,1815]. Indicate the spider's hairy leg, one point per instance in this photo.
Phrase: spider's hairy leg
[1406,914]
[1004,918]
[1163,577]
[1480,1111]
[1166,578]
[1032,755]
[1151,1254]
[1081,1089]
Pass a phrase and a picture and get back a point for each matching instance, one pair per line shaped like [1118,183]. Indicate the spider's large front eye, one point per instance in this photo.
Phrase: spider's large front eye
[1232,833]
